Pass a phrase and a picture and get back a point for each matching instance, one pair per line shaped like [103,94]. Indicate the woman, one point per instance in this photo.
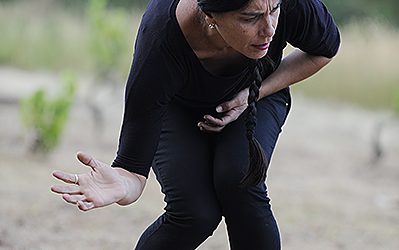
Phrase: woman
[204,73]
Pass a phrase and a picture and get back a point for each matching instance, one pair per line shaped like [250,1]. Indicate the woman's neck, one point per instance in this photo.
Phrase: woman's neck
[205,42]
[210,48]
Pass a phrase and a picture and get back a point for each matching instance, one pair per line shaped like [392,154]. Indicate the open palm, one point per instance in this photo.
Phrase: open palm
[102,186]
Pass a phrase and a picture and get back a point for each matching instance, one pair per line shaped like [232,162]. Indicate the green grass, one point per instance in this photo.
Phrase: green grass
[43,36]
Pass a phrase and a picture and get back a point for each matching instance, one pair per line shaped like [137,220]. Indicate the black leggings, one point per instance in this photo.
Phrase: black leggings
[199,174]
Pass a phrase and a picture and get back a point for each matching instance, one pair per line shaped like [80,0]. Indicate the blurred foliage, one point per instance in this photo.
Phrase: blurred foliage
[365,71]
[396,101]
[43,35]
[97,37]
[344,11]
[37,36]
[347,11]
[46,117]
[107,38]
[79,3]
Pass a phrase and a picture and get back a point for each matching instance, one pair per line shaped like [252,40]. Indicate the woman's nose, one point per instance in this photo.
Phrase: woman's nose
[266,28]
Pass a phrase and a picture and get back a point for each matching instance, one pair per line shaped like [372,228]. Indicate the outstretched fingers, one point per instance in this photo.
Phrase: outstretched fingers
[80,200]
[85,205]
[66,189]
[73,199]
[66,177]
[88,160]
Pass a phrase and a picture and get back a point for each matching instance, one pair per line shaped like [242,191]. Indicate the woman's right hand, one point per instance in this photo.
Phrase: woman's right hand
[102,186]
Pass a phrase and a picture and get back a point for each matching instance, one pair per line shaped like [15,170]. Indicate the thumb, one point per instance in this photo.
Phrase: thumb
[226,106]
[239,100]
[88,160]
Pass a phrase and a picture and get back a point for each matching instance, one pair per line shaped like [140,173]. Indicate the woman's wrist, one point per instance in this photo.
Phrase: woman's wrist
[133,186]
[265,89]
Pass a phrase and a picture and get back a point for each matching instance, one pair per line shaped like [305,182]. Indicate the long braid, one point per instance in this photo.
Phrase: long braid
[258,163]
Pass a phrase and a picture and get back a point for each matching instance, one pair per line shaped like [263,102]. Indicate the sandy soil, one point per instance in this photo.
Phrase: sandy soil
[326,192]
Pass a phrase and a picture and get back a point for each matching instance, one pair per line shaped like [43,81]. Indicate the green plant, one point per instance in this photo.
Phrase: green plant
[396,102]
[108,37]
[46,117]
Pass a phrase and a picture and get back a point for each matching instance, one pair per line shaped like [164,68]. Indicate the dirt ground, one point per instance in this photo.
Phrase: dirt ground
[326,191]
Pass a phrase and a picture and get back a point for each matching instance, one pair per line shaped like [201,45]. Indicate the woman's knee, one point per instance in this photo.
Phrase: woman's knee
[233,196]
[181,228]
[202,219]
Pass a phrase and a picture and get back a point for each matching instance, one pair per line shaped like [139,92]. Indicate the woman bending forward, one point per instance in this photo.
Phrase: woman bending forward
[206,97]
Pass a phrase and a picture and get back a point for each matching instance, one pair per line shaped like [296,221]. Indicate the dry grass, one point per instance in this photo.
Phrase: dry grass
[325,193]
[365,71]
[42,35]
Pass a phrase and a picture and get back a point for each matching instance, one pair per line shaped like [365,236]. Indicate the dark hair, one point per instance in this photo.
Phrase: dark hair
[258,163]
[217,6]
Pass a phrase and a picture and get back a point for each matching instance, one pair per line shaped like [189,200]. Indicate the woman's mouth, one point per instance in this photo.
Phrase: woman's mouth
[262,47]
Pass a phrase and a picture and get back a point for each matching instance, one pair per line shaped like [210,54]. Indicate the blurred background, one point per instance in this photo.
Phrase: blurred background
[63,64]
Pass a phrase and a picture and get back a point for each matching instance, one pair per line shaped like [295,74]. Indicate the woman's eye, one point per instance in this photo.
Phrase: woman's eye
[252,18]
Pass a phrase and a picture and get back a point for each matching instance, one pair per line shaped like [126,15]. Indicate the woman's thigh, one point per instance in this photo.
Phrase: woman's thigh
[247,211]
[231,147]
[183,165]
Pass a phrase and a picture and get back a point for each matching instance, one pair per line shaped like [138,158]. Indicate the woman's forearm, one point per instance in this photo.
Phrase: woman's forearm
[134,186]
[294,68]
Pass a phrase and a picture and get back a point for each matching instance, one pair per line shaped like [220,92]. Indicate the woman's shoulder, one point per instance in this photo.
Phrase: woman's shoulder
[158,24]
[296,6]
[310,27]
[157,40]
[156,16]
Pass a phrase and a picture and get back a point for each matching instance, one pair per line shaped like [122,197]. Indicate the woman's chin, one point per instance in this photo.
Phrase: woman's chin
[255,55]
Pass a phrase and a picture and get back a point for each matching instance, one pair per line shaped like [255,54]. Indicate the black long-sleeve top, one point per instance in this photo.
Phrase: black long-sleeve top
[165,68]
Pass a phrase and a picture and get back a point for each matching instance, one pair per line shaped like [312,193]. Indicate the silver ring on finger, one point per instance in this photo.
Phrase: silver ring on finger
[76,179]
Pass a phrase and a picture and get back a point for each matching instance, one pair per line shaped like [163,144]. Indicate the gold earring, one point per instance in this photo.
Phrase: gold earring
[212,26]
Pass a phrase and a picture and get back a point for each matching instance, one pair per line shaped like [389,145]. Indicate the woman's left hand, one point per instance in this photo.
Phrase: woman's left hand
[229,112]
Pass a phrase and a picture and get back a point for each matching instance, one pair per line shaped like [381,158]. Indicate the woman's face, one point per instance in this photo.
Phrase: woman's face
[250,29]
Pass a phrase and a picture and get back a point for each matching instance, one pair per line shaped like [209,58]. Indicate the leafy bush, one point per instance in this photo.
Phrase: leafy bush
[46,117]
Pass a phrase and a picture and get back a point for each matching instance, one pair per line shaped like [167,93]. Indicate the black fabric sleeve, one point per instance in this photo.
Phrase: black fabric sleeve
[154,79]
[311,28]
